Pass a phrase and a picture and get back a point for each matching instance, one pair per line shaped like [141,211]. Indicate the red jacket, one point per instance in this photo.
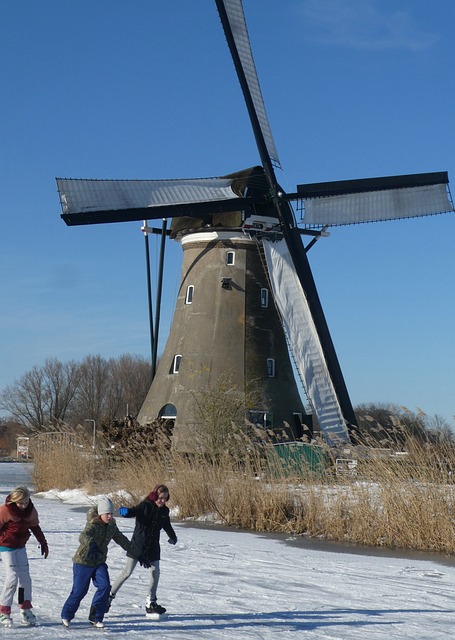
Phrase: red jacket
[16,524]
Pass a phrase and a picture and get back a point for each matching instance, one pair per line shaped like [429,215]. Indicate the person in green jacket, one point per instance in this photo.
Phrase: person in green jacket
[90,562]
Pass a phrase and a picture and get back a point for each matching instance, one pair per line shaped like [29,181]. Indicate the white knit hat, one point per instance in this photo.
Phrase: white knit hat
[105,505]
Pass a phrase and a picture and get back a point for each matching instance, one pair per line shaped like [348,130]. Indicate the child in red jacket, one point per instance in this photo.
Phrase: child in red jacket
[18,517]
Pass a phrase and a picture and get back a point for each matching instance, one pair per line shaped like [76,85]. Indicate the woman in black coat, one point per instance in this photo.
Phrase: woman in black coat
[151,515]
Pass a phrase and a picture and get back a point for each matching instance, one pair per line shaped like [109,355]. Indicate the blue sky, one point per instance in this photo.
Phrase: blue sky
[108,89]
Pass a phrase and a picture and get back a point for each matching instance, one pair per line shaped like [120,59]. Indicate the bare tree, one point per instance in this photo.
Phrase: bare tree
[439,429]
[43,395]
[221,427]
[130,379]
[90,398]
[24,399]
[61,382]
[389,424]
[95,389]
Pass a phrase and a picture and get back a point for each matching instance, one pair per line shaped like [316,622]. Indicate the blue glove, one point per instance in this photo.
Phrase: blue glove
[123,511]
[172,540]
[93,552]
[144,562]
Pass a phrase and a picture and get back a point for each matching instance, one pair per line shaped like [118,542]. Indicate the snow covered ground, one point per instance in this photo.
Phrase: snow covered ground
[229,585]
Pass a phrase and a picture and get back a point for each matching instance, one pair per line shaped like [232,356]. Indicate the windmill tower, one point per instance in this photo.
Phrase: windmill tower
[229,228]
[226,328]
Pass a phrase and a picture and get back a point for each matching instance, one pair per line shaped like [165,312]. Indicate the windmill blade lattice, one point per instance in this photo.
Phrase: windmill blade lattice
[234,24]
[374,199]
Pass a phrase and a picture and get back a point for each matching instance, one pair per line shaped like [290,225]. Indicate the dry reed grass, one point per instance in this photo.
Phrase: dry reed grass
[61,467]
[402,501]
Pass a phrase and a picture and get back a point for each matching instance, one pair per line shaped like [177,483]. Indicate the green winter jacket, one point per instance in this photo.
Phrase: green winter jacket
[98,533]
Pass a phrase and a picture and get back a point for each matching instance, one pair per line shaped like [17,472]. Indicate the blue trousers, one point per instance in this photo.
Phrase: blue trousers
[82,575]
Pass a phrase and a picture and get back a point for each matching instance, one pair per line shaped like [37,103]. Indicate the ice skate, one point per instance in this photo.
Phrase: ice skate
[153,610]
[97,625]
[5,620]
[28,617]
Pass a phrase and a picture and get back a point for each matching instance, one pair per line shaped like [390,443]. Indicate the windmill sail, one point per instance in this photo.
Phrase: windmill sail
[304,342]
[375,199]
[99,201]
[234,25]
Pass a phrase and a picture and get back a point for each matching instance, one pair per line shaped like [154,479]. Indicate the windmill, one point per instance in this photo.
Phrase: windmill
[241,241]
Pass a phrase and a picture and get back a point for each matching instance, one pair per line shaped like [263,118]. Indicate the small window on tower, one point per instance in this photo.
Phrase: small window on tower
[230,258]
[189,294]
[271,367]
[176,363]
[264,298]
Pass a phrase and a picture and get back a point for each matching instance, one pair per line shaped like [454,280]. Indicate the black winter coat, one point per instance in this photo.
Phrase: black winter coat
[150,519]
